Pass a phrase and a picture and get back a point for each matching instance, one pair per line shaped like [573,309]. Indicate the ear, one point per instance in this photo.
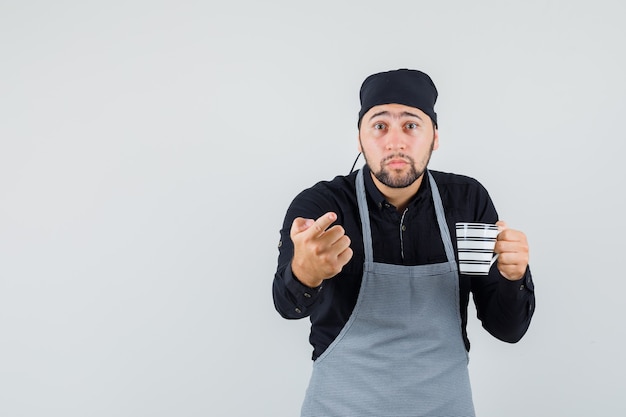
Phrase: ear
[436,140]
[359,146]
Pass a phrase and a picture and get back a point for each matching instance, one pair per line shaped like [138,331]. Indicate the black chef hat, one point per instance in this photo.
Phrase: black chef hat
[404,86]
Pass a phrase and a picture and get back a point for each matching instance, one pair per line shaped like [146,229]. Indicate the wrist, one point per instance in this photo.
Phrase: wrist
[306,280]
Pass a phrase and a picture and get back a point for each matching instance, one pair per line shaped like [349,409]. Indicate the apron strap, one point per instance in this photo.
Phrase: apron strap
[441,219]
[365,217]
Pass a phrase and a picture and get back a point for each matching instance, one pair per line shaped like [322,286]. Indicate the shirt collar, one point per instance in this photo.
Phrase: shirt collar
[379,199]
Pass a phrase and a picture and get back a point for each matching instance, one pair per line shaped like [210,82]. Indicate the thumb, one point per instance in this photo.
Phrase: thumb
[300,224]
[501,225]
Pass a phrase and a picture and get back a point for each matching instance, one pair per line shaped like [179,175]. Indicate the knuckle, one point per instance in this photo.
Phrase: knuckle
[318,251]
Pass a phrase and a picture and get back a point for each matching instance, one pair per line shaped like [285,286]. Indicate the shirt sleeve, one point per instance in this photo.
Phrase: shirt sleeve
[292,299]
[505,308]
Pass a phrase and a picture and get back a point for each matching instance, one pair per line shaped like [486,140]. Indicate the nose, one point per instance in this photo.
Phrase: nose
[395,138]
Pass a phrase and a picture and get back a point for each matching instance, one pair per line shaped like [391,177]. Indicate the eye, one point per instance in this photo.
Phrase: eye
[411,125]
[379,126]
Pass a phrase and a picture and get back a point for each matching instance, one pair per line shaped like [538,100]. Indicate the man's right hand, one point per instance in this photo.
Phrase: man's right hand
[319,252]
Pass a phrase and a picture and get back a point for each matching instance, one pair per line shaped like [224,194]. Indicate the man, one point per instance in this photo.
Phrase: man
[370,258]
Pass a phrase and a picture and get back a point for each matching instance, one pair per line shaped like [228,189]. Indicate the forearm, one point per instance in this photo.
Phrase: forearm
[292,299]
[504,307]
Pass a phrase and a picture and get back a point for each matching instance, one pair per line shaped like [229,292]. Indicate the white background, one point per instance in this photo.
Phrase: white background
[149,150]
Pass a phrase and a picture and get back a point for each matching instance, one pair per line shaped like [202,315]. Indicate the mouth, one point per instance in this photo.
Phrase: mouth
[396,163]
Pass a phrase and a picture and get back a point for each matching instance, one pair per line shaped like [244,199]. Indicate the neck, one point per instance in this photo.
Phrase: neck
[399,197]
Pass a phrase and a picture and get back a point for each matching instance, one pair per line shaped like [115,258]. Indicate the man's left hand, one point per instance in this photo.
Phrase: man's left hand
[512,247]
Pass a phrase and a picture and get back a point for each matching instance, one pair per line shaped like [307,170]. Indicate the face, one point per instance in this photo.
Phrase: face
[397,141]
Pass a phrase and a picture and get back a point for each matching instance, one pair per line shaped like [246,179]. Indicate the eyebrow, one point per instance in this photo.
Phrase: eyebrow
[394,115]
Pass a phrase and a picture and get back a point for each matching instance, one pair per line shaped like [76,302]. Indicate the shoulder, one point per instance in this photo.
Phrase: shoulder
[337,188]
[465,195]
[457,184]
[447,179]
[329,195]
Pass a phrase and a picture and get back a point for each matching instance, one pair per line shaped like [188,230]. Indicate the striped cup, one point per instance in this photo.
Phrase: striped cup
[475,244]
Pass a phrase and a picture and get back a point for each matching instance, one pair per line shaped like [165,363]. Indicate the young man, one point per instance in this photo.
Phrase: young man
[370,258]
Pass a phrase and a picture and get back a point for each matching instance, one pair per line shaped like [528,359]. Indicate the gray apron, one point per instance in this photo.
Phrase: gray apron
[401,353]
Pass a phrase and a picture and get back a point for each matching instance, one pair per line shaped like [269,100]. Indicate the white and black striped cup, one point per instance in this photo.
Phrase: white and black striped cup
[475,244]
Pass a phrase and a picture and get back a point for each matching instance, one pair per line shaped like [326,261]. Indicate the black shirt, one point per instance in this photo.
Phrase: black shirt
[412,237]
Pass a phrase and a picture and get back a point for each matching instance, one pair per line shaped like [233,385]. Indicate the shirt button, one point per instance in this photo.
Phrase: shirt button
[298,310]
[521,287]
[307,295]
[403,228]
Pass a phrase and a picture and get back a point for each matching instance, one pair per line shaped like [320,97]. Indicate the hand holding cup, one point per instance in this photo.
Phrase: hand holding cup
[512,249]
[481,244]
